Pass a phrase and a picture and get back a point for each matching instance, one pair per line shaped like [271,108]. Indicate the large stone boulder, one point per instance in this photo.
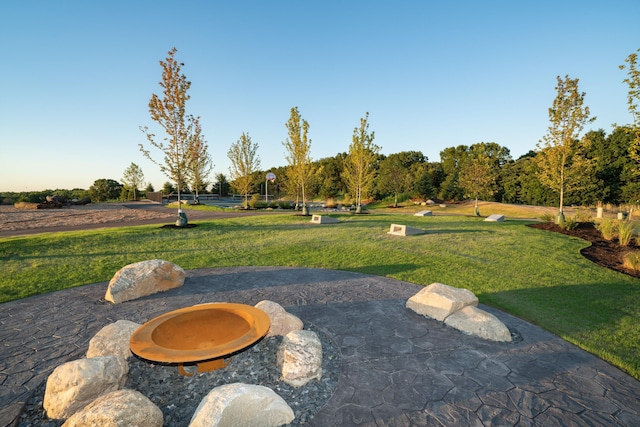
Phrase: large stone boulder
[300,358]
[439,301]
[113,340]
[142,279]
[241,404]
[475,321]
[73,385]
[126,408]
[282,322]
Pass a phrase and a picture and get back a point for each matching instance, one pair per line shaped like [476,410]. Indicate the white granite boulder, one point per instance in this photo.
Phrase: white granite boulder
[300,358]
[474,321]
[73,385]
[282,322]
[495,218]
[113,340]
[144,278]
[119,408]
[439,301]
[241,404]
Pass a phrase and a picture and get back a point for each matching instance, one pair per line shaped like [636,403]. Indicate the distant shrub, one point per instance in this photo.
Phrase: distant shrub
[583,215]
[547,217]
[254,200]
[626,232]
[285,204]
[632,260]
[608,228]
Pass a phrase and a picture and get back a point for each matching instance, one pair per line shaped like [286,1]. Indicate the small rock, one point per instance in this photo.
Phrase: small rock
[241,404]
[119,408]
[474,321]
[113,340]
[300,358]
[282,322]
[439,301]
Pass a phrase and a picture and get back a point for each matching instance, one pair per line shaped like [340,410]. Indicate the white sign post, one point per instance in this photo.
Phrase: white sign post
[270,177]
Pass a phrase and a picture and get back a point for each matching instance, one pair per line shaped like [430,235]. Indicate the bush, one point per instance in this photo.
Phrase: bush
[583,215]
[253,202]
[608,228]
[632,260]
[570,223]
[284,204]
[547,217]
[626,232]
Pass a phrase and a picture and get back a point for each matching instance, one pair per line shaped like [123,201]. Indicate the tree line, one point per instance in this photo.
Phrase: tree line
[567,167]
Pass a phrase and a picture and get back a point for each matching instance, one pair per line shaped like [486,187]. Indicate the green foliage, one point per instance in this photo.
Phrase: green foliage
[254,201]
[103,190]
[298,146]
[569,223]
[244,165]
[360,165]
[132,179]
[608,228]
[562,166]
[632,260]
[182,130]
[633,97]
[626,232]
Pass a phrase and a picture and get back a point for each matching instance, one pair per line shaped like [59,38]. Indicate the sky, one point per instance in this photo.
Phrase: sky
[77,76]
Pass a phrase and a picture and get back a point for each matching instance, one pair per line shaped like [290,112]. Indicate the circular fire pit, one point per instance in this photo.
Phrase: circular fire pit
[204,335]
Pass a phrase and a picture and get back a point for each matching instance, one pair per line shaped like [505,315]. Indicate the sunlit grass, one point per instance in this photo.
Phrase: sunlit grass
[537,275]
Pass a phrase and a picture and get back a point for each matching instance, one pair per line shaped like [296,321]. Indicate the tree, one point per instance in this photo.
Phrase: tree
[105,189]
[199,159]
[298,153]
[221,185]
[132,179]
[244,163]
[168,188]
[477,174]
[359,166]
[633,96]
[169,112]
[392,177]
[561,166]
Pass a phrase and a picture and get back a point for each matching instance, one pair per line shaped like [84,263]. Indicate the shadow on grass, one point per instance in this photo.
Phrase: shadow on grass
[386,270]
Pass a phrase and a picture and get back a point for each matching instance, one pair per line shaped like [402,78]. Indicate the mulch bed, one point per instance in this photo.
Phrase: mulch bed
[605,253]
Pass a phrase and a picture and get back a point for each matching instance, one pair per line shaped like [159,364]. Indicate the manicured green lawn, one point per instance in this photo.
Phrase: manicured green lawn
[536,275]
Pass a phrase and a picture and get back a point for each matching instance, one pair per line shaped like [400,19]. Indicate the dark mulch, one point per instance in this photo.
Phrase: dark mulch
[603,252]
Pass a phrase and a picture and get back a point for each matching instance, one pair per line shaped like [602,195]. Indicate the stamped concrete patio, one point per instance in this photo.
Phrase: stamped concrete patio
[398,368]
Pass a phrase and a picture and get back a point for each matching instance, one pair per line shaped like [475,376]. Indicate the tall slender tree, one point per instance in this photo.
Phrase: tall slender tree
[359,166]
[169,112]
[200,164]
[633,97]
[477,174]
[298,146]
[132,179]
[561,165]
[244,163]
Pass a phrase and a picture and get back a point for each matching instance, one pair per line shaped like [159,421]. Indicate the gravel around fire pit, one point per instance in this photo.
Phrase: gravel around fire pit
[178,396]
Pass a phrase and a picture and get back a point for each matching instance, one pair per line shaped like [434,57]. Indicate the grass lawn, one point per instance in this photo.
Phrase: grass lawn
[539,276]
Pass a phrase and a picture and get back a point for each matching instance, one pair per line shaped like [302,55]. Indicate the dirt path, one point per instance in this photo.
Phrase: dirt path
[17,222]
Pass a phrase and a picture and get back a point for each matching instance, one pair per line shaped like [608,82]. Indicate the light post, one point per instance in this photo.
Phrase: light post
[270,177]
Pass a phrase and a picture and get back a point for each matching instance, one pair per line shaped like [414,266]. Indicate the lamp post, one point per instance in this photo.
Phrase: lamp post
[270,177]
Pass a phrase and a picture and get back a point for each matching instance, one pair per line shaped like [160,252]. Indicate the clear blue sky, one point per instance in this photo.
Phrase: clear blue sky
[77,76]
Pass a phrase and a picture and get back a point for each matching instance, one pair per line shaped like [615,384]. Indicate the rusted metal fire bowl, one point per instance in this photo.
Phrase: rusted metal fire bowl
[204,335]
